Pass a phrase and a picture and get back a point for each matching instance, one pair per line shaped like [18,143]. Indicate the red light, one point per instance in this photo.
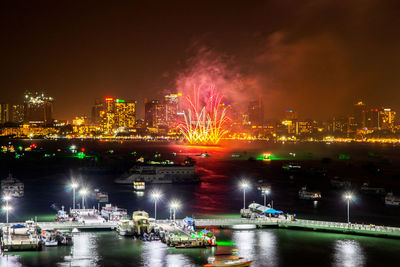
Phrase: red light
[108,99]
[376,110]
[83,149]
[33,145]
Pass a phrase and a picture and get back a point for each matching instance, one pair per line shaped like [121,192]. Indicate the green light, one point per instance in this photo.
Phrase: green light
[120,101]
[81,155]
[225,243]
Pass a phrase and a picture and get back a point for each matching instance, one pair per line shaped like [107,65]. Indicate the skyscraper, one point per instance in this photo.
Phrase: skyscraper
[387,117]
[125,113]
[256,112]
[4,113]
[38,109]
[359,114]
[155,114]
[172,109]
[17,113]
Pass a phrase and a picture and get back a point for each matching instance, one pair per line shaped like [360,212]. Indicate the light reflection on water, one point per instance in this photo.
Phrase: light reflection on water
[84,252]
[348,253]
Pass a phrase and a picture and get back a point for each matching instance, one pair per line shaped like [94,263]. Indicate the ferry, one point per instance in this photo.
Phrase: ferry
[141,222]
[159,174]
[20,237]
[113,213]
[392,200]
[365,188]
[12,187]
[125,228]
[139,186]
[309,195]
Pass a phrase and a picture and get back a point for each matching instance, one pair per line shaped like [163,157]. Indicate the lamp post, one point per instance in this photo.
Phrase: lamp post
[348,197]
[7,207]
[74,186]
[156,196]
[265,192]
[244,186]
[174,205]
[83,193]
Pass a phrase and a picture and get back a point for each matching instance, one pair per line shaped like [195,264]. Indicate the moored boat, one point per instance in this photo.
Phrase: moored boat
[309,195]
[392,200]
[220,261]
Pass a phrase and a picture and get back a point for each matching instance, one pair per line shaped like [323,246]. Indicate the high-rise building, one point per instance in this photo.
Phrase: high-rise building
[387,117]
[359,114]
[125,113]
[172,109]
[4,113]
[155,114]
[17,113]
[372,121]
[290,115]
[256,112]
[38,109]
[97,109]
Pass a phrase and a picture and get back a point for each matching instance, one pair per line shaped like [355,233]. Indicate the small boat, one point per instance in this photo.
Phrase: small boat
[309,195]
[392,200]
[125,228]
[139,185]
[49,238]
[64,238]
[366,189]
[221,261]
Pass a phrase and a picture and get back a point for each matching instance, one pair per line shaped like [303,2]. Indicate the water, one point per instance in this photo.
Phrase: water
[218,195]
[268,247]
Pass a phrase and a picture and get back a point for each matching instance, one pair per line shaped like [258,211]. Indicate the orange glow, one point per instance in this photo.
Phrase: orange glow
[109,99]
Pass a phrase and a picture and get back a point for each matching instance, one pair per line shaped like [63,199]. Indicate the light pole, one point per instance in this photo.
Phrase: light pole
[7,207]
[83,193]
[348,197]
[74,186]
[156,196]
[244,186]
[174,205]
[265,192]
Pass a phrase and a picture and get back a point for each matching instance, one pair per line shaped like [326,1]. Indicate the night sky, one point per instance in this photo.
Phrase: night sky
[316,57]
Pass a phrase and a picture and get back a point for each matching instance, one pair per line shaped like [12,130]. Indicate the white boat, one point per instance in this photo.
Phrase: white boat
[12,187]
[309,195]
[159,174]
[392,200]
[125,228]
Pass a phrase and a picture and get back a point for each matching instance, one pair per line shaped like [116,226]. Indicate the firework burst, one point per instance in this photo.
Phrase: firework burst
[205,119]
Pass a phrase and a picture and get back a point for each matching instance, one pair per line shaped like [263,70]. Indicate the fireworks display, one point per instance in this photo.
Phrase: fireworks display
[205,119]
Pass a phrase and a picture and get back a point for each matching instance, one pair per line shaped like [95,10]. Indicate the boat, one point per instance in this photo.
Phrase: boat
[125,228]
[113,213]
[366,189]
[20,237]
[339,183]
[159,174]
[139,185]
[12,187]
[392,200]
[141,222]
[64,237]
[49,238]
[225,260]
[291,167]
[309,195]
[62,216]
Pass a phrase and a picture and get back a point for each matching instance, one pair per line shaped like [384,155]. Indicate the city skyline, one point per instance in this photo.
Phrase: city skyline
[289,53]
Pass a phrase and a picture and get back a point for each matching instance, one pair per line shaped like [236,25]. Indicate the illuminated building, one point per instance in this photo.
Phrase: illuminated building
[172,109]
[107,116]
[17,113]
[125,114]
[256,112]
[79,121]
[387,117]
[97,109]
[155,116]
[372,119]
[38,109]
[359,114]
[290,115]
[4,113]
[304,127]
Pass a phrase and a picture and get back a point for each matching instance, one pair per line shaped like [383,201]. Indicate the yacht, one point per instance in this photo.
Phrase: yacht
[309,195]
[392,200]
[159,174]
[12,187]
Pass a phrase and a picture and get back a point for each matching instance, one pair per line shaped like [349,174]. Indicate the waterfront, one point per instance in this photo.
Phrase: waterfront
[217,195]
[273,247]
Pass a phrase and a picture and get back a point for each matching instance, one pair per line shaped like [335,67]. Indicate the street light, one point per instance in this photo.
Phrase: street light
[83,193]
[244,185]
[348,197]
[174,205]
[74,186]
[265,191]
[7,207]
[156,195]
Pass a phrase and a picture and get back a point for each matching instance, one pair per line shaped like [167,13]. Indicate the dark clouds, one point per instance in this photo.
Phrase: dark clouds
[314,56]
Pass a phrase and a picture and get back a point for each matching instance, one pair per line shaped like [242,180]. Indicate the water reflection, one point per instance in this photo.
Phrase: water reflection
[348,253]
[154,253]
[84,251]
[9,260]
[268,244]
[244,241]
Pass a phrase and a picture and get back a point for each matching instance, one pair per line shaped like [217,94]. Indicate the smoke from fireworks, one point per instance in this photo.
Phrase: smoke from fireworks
[205,120]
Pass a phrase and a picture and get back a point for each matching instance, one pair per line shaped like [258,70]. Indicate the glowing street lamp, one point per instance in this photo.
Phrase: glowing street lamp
[156,195]
[244,185]
[174,205]
[265,191]
[348,197]
[83,192]
[7,207]
[74,186]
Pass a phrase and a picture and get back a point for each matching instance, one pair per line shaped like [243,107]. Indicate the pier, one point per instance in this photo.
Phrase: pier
[243,223]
